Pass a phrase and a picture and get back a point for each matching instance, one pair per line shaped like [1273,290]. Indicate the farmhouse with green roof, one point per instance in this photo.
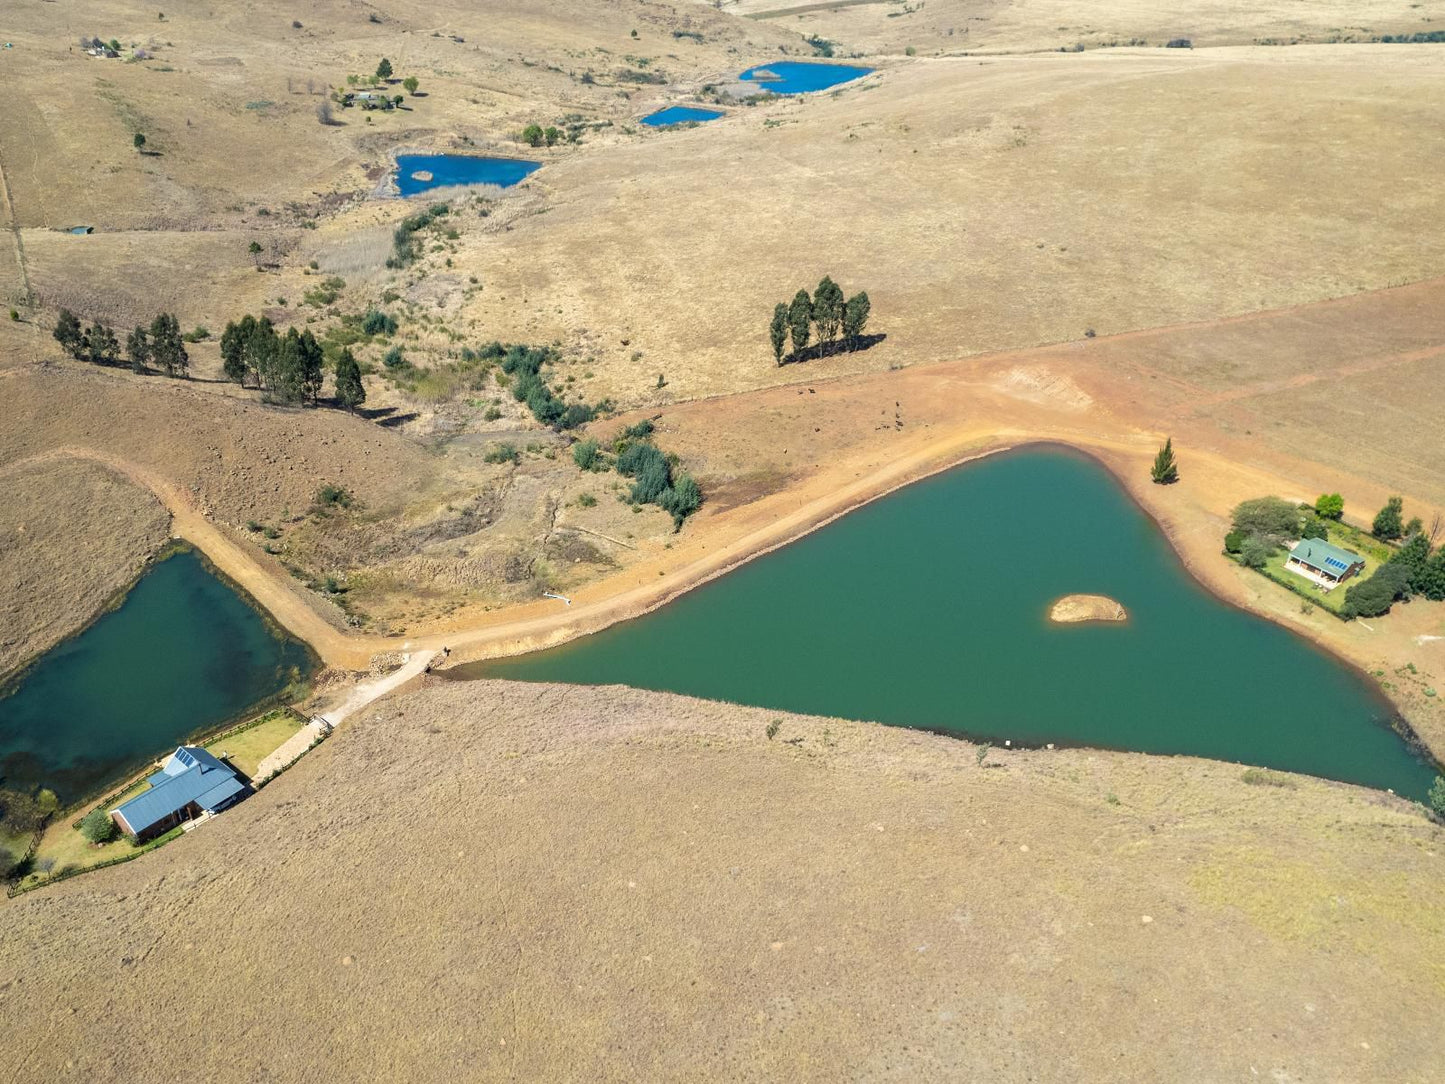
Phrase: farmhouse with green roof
[1323,563]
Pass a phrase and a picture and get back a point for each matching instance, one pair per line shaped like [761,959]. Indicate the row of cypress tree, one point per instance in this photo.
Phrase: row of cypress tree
[160,345]
[839,322]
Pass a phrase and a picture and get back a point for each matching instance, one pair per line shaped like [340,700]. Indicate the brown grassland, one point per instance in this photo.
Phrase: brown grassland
[1232,245]
[647,887]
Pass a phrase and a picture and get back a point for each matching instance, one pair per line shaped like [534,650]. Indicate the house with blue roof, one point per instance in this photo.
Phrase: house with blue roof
[190,782]
[1324,563]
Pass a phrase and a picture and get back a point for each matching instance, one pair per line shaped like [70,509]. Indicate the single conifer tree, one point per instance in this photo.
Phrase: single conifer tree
[828,311]
[1389,524]
[383,70]
[312,361]
[800,322]
[1165,470]
[138,346]
[68,334]
[855,318]
[349,390]
[233,352]
[777,331]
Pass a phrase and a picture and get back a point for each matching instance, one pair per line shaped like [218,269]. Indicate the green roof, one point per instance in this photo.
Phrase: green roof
[1324,556]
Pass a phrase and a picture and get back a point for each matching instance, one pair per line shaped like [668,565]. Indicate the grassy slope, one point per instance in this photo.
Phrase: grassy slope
[578,884]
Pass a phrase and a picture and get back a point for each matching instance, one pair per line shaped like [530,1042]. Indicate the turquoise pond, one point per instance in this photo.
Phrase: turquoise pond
[453,169]
[928,608]
[801,76]
[679,114]
[181,655]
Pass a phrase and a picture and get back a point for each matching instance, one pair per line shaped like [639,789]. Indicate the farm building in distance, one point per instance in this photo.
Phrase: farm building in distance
[191,782]
[1323,563]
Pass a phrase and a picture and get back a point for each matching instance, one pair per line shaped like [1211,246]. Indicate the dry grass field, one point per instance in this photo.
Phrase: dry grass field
[500,881]
[954,26]
[1231,244]
[71,535]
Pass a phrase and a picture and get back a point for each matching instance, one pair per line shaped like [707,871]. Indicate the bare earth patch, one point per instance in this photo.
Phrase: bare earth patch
[1075,608]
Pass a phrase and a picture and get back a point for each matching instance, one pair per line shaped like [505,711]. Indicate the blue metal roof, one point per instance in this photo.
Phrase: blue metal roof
[1320,554]
[190,775]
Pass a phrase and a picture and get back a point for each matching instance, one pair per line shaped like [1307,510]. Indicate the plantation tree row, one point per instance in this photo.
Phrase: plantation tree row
[160,345]
[838,322]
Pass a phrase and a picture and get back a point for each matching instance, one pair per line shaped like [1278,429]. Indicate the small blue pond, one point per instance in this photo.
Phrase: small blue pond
[679,114]
[450,169]
[801,76]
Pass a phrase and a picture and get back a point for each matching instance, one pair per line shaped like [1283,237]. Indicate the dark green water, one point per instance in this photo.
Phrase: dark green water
[183,653]
[929,609]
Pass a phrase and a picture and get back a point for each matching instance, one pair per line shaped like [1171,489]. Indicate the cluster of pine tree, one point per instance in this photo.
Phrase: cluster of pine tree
[288,368]
[839,323]
[160,346]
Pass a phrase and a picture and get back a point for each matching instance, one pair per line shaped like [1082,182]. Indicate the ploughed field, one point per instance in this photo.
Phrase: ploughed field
[929,608]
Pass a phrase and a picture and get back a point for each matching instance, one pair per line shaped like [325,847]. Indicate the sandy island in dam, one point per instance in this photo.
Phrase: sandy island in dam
[1072,609]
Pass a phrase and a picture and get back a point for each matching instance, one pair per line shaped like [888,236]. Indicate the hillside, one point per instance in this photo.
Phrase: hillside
[544,883]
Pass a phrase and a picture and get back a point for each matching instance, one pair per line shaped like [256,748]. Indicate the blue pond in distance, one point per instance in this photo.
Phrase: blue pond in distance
[679,114]
[449,169]
[801,76]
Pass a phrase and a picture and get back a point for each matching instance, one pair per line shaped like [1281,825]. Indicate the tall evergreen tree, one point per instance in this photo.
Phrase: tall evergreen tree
[1389,523]
[828,310]
[101,345]
[778,331]
[312,366]
[286,384]
[855,318]
[69,335]
[233,351]
[167,347]
[261,347]
[349,390]
[139,349]
[1415,556]
[383,70]
[1165,471]
[800,321]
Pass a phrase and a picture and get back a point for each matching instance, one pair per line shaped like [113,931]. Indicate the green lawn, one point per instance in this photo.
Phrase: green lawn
[246,750]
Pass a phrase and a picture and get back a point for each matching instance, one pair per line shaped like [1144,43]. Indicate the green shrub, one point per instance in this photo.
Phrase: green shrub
[1374,596]
[376,322]
[1330,506]
[333,496]
[1234,541]
[394,358]
[97,826]
[586,500]
[584,454]
[1437,796]
[1255,551]
[503,453]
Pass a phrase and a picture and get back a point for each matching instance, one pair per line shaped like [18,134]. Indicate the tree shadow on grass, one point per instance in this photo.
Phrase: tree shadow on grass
[395,420]
[828,350]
